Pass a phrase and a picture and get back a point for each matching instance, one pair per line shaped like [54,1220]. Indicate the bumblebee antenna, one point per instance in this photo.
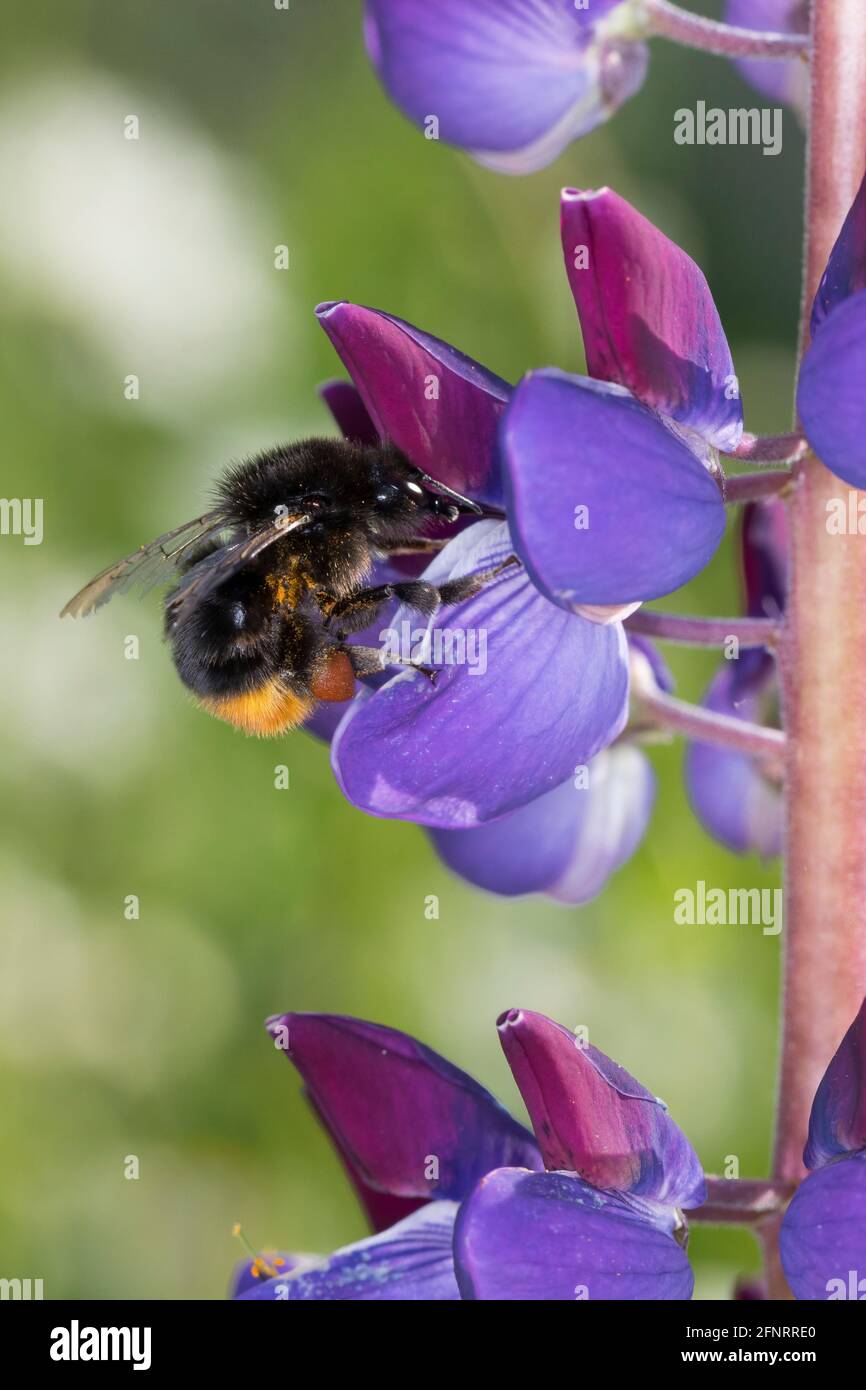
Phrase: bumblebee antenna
[465,503]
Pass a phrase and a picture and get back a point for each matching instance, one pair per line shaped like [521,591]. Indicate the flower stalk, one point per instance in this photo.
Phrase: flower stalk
[750,487]
[771,448]
[741,1201]
[694,31]
[823,663]
[695,722]
[703,632]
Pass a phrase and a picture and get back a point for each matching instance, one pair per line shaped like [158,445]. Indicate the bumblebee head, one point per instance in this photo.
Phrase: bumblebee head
[338,486]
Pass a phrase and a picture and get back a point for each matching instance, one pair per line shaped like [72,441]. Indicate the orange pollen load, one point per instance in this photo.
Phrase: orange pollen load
[336,680]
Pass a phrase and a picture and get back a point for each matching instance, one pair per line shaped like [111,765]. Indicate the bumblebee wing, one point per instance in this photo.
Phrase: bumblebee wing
[201,580]
[149,565]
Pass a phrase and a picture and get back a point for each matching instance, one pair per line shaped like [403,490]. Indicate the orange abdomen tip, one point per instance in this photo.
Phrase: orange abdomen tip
[336,680]
[268,710]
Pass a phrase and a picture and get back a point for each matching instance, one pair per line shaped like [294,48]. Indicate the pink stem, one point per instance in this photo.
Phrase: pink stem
[747,487]
[741,1201]
[823,664]
[772,448]
[698,723]
[703,632]
[695,31]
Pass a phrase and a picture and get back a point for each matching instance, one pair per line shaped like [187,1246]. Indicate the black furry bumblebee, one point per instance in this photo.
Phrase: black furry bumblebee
[270,583]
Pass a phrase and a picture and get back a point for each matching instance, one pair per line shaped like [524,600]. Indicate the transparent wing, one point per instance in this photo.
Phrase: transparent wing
[151,564]
[202,579]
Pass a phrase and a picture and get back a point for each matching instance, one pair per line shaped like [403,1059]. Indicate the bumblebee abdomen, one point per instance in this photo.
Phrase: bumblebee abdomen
[266,710]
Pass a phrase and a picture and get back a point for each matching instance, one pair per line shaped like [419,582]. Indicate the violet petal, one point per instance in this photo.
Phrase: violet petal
[837,1124]
[406,1120]
[592,1118]
[512,81]
[549,1236]
[830,396]
[823,1235]
[607,505]
[437,405]
[732,797]
[846,269]
[648,318]
[410,1262]
[343,399]
[540,693]
[766,546]
[568,842]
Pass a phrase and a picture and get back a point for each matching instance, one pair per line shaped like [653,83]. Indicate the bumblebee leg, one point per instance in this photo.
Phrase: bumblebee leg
[424,545]
[459,590]
[358,610]
[369,661]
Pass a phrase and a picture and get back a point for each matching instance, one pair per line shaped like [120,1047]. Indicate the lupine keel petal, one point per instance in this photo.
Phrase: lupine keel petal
[592,1118]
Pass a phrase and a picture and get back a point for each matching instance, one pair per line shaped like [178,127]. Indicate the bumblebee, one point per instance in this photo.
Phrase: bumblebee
[268,585]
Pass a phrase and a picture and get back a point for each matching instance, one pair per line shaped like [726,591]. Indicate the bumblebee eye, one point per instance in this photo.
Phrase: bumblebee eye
[387,495]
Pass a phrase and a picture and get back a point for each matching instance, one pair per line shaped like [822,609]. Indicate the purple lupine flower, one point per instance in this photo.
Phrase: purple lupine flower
[786,81]
[415,1135]
[605,1220]
[830,396]
[568,841]
[511,81]
[736,798]
[548,692]
[612,479]
[823,1236]
[456,1190]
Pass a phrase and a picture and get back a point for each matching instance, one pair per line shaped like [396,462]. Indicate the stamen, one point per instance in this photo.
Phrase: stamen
[260,1264]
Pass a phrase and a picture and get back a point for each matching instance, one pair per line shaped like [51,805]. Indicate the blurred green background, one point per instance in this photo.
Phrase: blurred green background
[155,257]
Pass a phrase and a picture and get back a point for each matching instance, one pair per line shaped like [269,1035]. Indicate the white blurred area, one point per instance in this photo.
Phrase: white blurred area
[158,250]
[137,1003]
[70,701]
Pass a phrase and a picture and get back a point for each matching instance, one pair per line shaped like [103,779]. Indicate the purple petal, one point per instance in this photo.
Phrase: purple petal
[512,81]
[549,1236]
[607,505]
[846,269]
[823,1236]
[648,318]
[592,1118]
[786,81]
[437,405]
[830,395]
[837,1124]
[540,693]
[406,1121]
[765,540]
[343,399]
[730,793]
[659,669]
[569,841]
[410,1262]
